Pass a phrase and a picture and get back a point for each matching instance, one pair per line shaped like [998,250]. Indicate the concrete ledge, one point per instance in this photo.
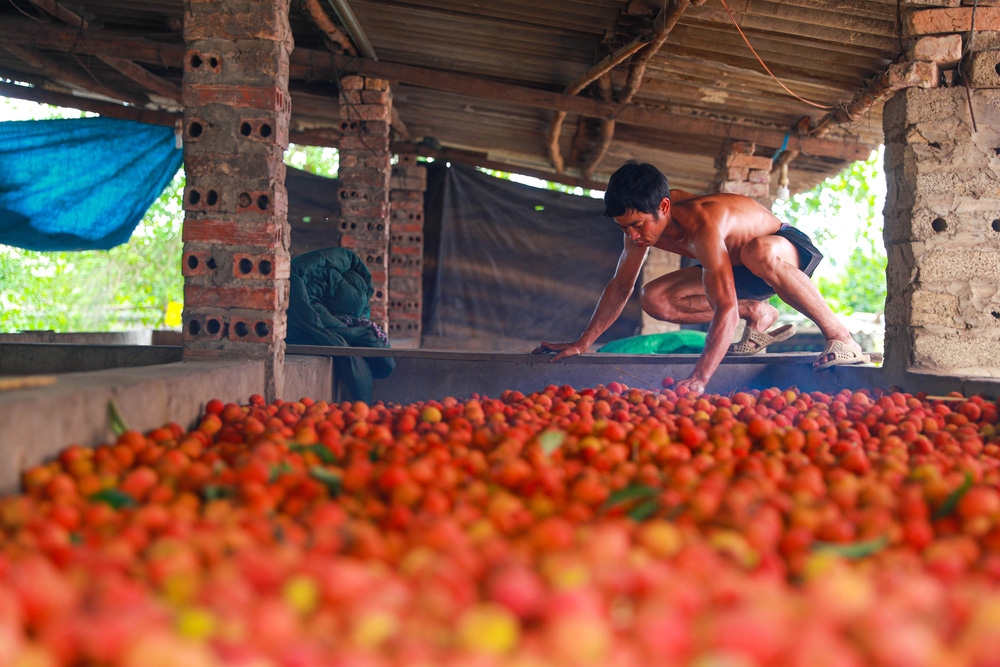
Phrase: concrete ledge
[37,423]
[308,376]
[138,337]
[55,358]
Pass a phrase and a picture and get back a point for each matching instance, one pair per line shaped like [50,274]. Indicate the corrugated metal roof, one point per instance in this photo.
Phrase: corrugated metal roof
[824,50]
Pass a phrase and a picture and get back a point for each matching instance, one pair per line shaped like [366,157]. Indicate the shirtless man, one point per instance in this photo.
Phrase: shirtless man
[746,255]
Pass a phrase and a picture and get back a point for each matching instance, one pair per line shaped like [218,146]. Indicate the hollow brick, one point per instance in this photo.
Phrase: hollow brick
[942,49]
[253,298]
[366,112]
[272,98]
[230,232]
[354,142]
[261,266]
[249,62]
[262,328]
[352,82]
[233,20]
[950,20]
[751,161]
[376,84]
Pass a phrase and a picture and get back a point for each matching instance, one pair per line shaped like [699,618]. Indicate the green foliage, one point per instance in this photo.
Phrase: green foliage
[843,217]
[127,287]
[317,160]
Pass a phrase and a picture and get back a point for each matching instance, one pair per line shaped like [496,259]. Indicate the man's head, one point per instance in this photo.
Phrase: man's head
[635,186]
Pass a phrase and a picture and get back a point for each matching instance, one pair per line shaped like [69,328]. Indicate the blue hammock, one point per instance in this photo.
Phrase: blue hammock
[80,184]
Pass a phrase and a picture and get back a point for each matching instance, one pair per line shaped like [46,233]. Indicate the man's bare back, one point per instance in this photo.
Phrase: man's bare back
[738,220]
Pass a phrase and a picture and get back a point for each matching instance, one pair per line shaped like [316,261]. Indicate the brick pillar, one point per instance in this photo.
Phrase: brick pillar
[406,251]
[942,231]
[741,172]
[236,235]
[365,169]
[658,263]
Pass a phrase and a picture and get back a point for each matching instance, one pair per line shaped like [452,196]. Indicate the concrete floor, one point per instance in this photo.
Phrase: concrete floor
[151,387]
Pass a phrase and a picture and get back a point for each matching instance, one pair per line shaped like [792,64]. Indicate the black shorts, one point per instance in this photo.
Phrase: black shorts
[750,286]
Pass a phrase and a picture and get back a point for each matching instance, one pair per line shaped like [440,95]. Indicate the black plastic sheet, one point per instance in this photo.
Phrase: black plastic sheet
[517,262]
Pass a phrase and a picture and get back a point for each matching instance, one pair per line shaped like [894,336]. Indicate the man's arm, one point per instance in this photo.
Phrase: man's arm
[720,289]
[609,306]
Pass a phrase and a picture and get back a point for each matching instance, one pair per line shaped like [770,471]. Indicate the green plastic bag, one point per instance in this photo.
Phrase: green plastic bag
[674,342]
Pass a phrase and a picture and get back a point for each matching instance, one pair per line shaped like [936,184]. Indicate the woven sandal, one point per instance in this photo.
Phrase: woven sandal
[754,341]
[838,353]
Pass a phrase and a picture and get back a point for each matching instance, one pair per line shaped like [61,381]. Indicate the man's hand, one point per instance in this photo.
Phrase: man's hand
[563,350]
[693,385]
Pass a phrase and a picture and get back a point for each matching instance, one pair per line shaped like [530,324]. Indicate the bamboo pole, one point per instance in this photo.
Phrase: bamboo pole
[885,85]
[606,64]
[607,131]
[61,13]
[329,28]
[664,23]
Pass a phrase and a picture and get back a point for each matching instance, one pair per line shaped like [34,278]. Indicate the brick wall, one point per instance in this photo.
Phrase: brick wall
[406,251]
[942,232]
[365,170]
[236,238]
[741,172]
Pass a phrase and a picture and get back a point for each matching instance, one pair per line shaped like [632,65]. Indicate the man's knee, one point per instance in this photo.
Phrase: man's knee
[655,301]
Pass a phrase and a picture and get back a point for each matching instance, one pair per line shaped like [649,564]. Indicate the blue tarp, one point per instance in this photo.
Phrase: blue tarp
[82,183]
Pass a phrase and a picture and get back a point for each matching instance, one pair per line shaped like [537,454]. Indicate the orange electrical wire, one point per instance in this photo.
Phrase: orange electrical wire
[766,68]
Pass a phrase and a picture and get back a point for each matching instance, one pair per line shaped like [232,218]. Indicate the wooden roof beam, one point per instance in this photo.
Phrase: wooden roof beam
[597,71]
[18,30]
[56,72]
[645,46]
[306,65]
[144,77]
[474,159]
[309,65]
[130,69]
[109,109]
[665,21]
[65,15]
